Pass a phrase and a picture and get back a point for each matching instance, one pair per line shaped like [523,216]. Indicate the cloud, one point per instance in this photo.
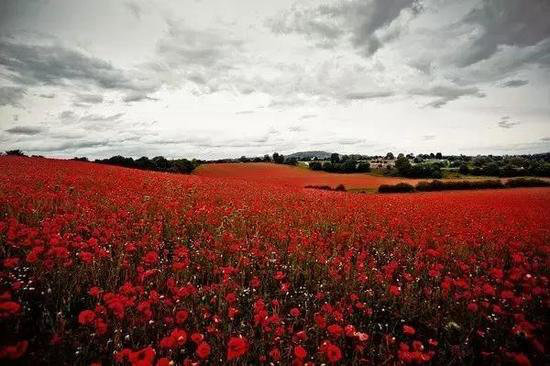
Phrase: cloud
[11,95]
[47,96]
[53,64]
[492,41]
[368,95]
[89,121]
[86,100]
[506,123]
[505,23]
[203,57]
[545,139]
[134,8]
[350,141]
[68,116]
[100,118]
[65,145]
[514,83]
[136,96]
[25,130]
[366,24]
[446,94]
[297,128]
[428,137]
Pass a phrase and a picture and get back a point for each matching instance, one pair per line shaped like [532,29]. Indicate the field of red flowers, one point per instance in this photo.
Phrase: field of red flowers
[106,265]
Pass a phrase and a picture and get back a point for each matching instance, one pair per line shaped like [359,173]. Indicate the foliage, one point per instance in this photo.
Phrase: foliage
[438,185]
[397,188]
[15,152]
[347,165]
[527,182]
[158,163]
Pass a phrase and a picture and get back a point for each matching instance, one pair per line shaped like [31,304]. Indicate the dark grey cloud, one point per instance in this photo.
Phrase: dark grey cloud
[503,65]
[11,95]
[137,96]
[514,83]
[368,95]
[12,10]
[86,100]
[52,64]
[545,139]
[506,123]
[505,23]
[47,95]
[446,94]
[367,24]
[25,130]
[68,116]
[67,145]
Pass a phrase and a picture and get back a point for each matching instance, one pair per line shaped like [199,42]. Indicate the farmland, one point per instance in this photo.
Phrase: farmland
[108,265]
[293,176]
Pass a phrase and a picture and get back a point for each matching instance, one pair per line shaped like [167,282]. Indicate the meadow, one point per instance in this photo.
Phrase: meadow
[105,265]
[294,176]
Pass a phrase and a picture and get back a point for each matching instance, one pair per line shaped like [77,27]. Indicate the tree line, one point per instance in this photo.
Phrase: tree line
[344,164]
[158,163]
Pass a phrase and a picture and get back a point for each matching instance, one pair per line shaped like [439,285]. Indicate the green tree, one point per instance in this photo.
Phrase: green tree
[363,167]
[464,169]
[403,166]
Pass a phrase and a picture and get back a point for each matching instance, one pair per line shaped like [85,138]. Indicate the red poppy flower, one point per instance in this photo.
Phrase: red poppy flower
[236,347]
[408,330]
[143,357]
[14,352]
[300,352]
[181,316]
[295,312]
[203,350]
[332,352]
[86,317]
[335,330]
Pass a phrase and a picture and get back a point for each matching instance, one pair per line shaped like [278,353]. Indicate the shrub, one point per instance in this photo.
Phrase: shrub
[339,188]
[527,182]
[15,152]
[437,185]
[397,188]
[314,165]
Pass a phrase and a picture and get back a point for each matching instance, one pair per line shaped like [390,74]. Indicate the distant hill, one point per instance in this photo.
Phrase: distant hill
[310,154]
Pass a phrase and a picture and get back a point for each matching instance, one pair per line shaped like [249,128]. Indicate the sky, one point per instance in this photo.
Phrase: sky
[212,79]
